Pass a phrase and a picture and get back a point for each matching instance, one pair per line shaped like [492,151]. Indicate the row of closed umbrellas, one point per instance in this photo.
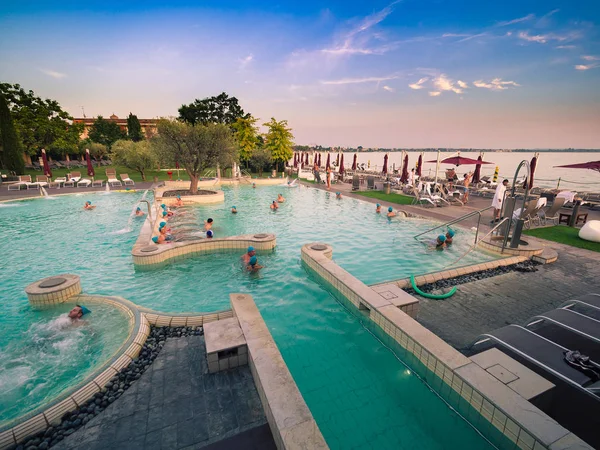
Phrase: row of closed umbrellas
[48,170]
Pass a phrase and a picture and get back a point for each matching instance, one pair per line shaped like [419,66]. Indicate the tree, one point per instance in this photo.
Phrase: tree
[196,148]
[67,144]
[219,109]
[39,123]
[105,132]
[279,141]
[97,151]
[136,156]
[246,134]
[260,160]
[12,155]
[134,129]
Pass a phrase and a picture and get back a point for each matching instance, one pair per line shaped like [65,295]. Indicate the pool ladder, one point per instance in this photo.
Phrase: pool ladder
[149,208]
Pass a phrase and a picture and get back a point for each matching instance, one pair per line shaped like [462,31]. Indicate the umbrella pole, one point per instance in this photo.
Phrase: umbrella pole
[437,168]
[558,184]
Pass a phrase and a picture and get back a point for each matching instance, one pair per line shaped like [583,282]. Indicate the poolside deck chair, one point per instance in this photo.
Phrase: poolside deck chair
[592,300]
[437,199]
[355,183]
[370,182]
[421,200]
[98,183]
[41,180]
[552,212]
[126,180]
[24,181]
[111,174]
[533,216]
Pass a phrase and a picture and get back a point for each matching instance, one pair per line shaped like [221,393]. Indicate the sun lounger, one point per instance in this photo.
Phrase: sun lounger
[98,183]
[421,200]
[41,180]
[24,181]
[592,300]
[552,212]
[126,180]
[355,183]
[370,182]
[111,174]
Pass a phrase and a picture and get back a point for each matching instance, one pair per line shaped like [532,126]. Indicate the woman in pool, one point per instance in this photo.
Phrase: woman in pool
[338,195]
[440,242]
[391,212]
[139,212]
[274,205]
[233,210]
[449,236]
[88,205]
[378,208]
[208,224]
[280,198]
[178,202]
[253,265]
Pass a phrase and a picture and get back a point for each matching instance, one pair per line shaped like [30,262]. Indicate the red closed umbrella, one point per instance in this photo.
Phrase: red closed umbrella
[47,170]
[306,162]
[477,173]
[460,160]
[337,161]
[328,164]
[385,159]
[354,162]
[532,165]
[592,165]
[342,164]
[90,168]
[404,177]
[295,160]
[420,164]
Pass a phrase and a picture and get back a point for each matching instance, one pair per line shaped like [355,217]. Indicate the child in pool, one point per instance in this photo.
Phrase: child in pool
[88,205]
[378,208]
[391,212]
[253,265]
[233,210]
[139,212]
[449,236]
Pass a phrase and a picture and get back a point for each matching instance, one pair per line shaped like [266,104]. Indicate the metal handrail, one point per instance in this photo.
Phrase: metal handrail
[460,219]
[149,209]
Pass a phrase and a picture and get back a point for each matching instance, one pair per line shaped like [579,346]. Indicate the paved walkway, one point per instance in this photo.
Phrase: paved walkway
[176,404]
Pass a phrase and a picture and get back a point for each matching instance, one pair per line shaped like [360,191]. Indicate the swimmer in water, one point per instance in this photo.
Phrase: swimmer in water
[338,195]
[163,232]
[253,265]
[449,236]
[274,205]
[249,254]
[209,234]
[208,224]
[440,242]
[78,312]
[378,208]
[88,205]
[391,212]
[253,185]
[280,198]
[139,212]
[178,202]
[233,210]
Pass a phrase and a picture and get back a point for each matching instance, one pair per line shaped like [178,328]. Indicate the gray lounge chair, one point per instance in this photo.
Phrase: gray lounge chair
[370,182]
[552,212]
[355,183]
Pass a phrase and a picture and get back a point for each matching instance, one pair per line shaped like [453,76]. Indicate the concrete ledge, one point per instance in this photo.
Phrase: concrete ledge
[291,422]
[225,345]
[216,196]
[53,290]
[160,319]
[548,256]
[496,247]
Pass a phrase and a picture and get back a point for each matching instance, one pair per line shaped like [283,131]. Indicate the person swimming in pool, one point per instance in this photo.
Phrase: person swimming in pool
[160,239]
[78,312]
[440,242]
[274,205]
[178,202]
[449,236]
[391,212]
[253,265]
[249,254]
[88,205]
[280,198]
[253,185]
[208,224]
[139,212]
[209,234]
[233,210]
[163,231]
[378,208]
[338,195]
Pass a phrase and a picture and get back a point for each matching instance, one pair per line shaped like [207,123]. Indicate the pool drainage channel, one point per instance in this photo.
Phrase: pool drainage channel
[114,389]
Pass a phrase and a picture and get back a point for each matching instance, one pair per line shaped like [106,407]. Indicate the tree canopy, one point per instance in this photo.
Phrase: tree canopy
[12,156]
[196,148]
[220,109]
[246,134]
[136,156]
[279,141]
[39,123]
[105,132]
[134,129]
[97,151]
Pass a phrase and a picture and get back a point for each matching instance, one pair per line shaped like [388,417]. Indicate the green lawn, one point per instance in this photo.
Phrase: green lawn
[390,198]
[564,235]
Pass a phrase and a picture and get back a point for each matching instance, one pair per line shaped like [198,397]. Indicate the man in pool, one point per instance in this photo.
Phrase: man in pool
[253,185]
[449,236]
[163,232]
[208,224]
[249,254]
[253,265]
[88,205]
[338,195]
[178,202]
[233,210]
[280,198]
[274,205]
[78,312]
[139,212]
[440,242]
[378,208]
[391,212]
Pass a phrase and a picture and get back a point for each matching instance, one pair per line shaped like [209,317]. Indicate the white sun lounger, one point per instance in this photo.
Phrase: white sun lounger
[126,180]
[24,180]
[112,178]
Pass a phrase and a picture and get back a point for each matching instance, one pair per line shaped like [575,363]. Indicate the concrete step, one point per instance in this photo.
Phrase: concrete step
[548,256]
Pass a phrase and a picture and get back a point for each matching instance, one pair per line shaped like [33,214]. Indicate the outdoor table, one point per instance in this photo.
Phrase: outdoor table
[564,218]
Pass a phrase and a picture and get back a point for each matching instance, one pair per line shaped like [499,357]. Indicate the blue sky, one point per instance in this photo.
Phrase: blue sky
[413,73]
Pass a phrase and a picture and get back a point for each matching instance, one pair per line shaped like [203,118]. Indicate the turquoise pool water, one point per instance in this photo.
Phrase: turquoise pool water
[45,354]
[359,393]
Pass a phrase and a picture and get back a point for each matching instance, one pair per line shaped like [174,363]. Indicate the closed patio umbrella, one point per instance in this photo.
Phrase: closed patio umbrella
[404,177]
[420,164]
[532,165]
[319,163]
[328,164]
[295,160]
[477,173]
[90,168]
[341,164]
[306,158]
[354,162]
[385,160]
[337,161]
[47,170]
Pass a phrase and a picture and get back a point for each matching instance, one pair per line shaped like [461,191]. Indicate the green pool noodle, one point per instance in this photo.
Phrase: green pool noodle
[432,296]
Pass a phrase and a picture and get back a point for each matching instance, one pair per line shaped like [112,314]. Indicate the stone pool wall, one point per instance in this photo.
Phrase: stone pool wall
[499,413]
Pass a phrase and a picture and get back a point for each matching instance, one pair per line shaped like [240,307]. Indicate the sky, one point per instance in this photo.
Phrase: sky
[402,74]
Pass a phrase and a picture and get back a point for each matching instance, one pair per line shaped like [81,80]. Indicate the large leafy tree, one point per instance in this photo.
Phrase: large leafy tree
[246,134]
[196,148]
[12,155]
[97,151]
[279,141]
[39,122]
[136,156]
[105,132]
[261,160]
[219,109]
[134,129]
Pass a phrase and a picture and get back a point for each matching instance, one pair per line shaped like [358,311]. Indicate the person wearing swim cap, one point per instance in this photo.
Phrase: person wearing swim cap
[280,198]
[208,224]
[449,236]
[274,205]
[163,232]
[233,210]
[78,312]
[164,224]
[163,206]
[88,205]
[338,195]
[178,202]
[378,208]
[139,212]
[253,185]
[249,254]
[209,234]
[440,242]
[391,212]
[155,239]
[253,265]
[165,214]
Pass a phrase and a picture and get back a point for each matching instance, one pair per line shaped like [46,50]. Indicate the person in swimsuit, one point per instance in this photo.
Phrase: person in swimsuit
[233,210]
[179,202]
[449,236]
[253,265]
[139,212]
[467,183]
[274,205]
[88,205]
[391,212]
[378,208]
[440,242]
[280,198]
[78,312]
[338,195]
[249,254]
[208,224]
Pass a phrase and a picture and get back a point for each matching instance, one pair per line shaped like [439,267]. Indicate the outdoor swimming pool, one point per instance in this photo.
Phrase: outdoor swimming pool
[357,390]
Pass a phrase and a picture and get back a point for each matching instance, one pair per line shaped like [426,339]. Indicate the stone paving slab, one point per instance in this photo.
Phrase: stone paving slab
[177,404]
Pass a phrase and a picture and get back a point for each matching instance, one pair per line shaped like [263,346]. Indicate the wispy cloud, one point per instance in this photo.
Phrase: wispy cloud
[389,89]
[462,84]
[443,83]
[419,84]
[434,93]
[545,38]
[497,84]
[590,58]
[565,47]
[514,21]
[586,66]
[359,80]
[53,73]
[245,61]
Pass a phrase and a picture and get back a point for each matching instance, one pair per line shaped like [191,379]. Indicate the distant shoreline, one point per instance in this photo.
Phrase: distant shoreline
[303,148]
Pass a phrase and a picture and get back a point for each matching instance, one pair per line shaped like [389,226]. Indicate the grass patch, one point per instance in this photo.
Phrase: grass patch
[563,235]
[399,199]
